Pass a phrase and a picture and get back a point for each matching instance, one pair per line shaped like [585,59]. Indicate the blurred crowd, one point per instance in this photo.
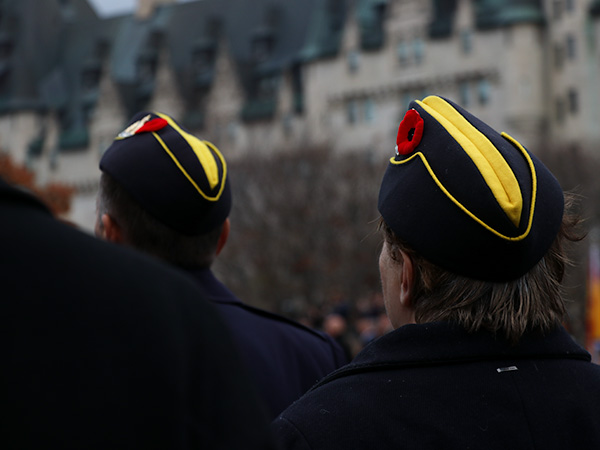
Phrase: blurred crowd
[352,323]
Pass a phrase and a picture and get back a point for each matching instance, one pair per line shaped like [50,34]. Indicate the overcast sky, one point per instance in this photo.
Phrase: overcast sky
[112,7]
[106,8]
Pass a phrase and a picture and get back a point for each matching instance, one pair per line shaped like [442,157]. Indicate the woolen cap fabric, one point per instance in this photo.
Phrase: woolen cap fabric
[180,180]
[467,198]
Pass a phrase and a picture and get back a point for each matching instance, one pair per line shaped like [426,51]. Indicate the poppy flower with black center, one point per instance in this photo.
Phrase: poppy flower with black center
[410,132]
[153,125]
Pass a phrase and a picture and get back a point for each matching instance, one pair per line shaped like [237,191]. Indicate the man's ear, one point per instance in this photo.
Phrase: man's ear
[111,231]
[224,235]
[407,281]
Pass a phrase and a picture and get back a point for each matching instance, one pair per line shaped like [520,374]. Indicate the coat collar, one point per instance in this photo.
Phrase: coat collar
[212,288]
[441,343]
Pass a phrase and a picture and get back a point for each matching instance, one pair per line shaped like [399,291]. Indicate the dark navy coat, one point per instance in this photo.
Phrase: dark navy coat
[433,386]
[285,357]
[103,348]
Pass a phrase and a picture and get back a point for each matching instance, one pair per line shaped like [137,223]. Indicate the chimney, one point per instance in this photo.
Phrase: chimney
[146,8]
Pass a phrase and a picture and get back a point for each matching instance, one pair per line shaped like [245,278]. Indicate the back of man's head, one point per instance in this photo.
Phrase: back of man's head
[164,191]
[481,219]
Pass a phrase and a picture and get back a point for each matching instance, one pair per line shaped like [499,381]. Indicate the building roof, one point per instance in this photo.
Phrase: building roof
[500,13]
[488,14]
[52,53]
[325,32]
[30,41]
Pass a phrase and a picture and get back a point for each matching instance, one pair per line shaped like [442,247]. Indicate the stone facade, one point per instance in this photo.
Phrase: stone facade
[536,78]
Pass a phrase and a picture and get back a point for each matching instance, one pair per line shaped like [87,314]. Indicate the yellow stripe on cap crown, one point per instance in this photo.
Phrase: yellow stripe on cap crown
[493,167]
[214,198]
[202,152]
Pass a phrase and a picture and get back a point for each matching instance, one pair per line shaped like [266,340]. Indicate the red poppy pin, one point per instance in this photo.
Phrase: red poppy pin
[410,132]
[144,125]
[153,125]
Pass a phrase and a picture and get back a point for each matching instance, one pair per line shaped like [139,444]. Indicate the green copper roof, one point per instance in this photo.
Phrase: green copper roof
[488,14]
[499,13]
[325,31]
[55,50]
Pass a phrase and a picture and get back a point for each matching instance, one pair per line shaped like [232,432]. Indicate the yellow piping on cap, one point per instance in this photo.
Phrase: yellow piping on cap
[496,172]
[204,155]
[190,179]
[464,208]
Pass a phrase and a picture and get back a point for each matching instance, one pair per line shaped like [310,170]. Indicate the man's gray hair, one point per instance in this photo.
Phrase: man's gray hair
[144,232]
[531,302]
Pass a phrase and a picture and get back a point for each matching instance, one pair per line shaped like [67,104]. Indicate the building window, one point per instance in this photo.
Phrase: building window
[558,56]
[203,59]
[573,101]
[402,53]
[352,111]
[406,99]
[90,78]
[571,47]
[369,110]
[465,93]
[262,45]
[560,110]
[232,131]
[6,45]
[146,69]
[267,86]
[466,40]
[419,50]
[557,9]
[353,60]
[570,5]
[484,91]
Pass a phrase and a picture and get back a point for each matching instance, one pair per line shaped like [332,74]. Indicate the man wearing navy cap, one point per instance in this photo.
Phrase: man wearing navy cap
[166,192]
[474,228]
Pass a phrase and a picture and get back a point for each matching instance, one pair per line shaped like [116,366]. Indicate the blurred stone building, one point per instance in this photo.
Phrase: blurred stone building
[263,76]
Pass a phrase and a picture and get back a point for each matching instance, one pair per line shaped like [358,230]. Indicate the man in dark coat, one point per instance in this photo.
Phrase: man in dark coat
[166,192]
[104,348]
[471,266]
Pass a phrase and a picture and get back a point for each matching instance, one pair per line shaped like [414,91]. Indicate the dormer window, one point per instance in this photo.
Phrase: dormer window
[146,67]
[262,44]
[335,10]
[267,86]
[146,71]
[214,25]
[155,39]
[380,10]
[203,57]
[6,46]
[90,75]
